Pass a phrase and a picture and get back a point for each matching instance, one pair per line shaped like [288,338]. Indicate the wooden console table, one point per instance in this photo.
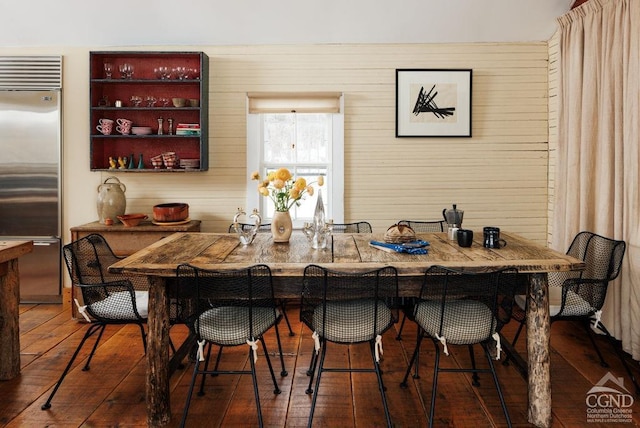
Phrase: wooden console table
[125,241]
[9,300]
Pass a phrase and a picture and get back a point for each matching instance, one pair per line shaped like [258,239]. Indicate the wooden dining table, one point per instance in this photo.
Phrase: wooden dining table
[350,252]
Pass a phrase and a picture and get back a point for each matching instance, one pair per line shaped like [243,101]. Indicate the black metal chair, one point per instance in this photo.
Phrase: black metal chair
[108,298]
[418,226]
[248,226]
[232,308]
[463,308]
[266,228]
[580,295]
[356,227]
[348,308]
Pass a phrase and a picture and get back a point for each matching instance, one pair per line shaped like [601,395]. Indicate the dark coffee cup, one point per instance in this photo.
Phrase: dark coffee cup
[465,237]
[492,238]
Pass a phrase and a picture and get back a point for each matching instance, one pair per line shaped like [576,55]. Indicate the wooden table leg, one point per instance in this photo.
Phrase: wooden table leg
[158,400]
[9,324]
[538,342]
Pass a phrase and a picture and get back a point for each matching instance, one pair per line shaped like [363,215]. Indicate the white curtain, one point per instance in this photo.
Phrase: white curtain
[597,176]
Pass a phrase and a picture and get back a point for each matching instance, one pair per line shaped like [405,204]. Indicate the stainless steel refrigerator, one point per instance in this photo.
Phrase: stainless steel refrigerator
[30,170]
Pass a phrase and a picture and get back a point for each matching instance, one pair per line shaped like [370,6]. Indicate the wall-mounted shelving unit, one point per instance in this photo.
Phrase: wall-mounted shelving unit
[155,75]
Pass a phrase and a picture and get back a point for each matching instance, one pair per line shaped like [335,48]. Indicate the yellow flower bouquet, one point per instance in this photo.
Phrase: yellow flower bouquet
[283,189]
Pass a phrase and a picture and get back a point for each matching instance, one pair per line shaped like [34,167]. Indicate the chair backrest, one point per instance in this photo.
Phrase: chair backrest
[247,226]
[469,306]
[357,227]
[360,303]
[419,226]
[88,260]
[585,291]
[108,297]
[602,256]
[245,296]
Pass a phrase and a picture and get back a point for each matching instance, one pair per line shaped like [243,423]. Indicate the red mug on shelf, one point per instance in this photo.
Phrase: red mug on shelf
[105,126]
[124,126]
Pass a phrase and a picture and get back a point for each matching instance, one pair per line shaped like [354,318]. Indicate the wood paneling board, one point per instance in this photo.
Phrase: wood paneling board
[554,81]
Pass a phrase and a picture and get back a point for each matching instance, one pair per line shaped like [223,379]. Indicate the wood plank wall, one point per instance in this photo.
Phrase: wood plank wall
[554,82]
[498,177]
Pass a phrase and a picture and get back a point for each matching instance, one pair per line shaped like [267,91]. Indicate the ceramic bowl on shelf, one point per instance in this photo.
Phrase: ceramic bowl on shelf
[131,220]
[141,130]
[179,102]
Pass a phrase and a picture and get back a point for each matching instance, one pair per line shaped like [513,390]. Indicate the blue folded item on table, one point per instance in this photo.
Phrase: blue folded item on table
[413,247]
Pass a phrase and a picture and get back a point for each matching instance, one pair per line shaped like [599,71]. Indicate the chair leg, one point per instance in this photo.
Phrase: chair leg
[403,384]
[381,386]
[144,338]
[283,372]
[312,362]
[434,388]
[416,373]
[273,376]
[587,327]
[505,362]
[399,336]
[323,351]
[495,380]
[283,304]
[312,366]
[475,378]
[190,393]
[90,331]
[254,377]
[95,346]
[206,367]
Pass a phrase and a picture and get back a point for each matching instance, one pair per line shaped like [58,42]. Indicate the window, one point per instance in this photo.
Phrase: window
[308,143]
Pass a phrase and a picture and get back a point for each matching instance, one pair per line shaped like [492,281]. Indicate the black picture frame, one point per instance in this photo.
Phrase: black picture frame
[433,102]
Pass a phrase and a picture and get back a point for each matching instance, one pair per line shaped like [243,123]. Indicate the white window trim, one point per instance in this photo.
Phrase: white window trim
[336,171]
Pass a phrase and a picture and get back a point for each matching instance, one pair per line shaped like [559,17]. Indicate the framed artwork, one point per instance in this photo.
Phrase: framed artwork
[433,102]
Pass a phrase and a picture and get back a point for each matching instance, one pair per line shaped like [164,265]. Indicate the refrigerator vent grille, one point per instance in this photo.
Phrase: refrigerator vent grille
[30,72]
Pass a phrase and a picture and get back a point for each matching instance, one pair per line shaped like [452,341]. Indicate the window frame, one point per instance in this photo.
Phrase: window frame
[255,162]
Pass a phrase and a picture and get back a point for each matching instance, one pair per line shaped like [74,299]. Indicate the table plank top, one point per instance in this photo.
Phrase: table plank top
[10,250]
[350,252]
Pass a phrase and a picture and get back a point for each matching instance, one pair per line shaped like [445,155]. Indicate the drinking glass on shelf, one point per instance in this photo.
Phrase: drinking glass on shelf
[135,101]
[164,101]
[151,100]
[108,70]
[126,71]
[180,72]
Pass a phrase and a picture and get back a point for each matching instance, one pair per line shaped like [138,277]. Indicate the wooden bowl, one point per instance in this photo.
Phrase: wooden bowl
[176,211]
[130,220]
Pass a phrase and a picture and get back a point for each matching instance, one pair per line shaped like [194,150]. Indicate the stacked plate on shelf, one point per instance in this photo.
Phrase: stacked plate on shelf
[188,129]
[190,163]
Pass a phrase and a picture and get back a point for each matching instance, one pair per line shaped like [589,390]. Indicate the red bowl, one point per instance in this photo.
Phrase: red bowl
[130,220]
[176,211]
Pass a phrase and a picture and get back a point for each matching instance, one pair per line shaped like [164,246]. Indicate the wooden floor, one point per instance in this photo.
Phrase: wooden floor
[112,393]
